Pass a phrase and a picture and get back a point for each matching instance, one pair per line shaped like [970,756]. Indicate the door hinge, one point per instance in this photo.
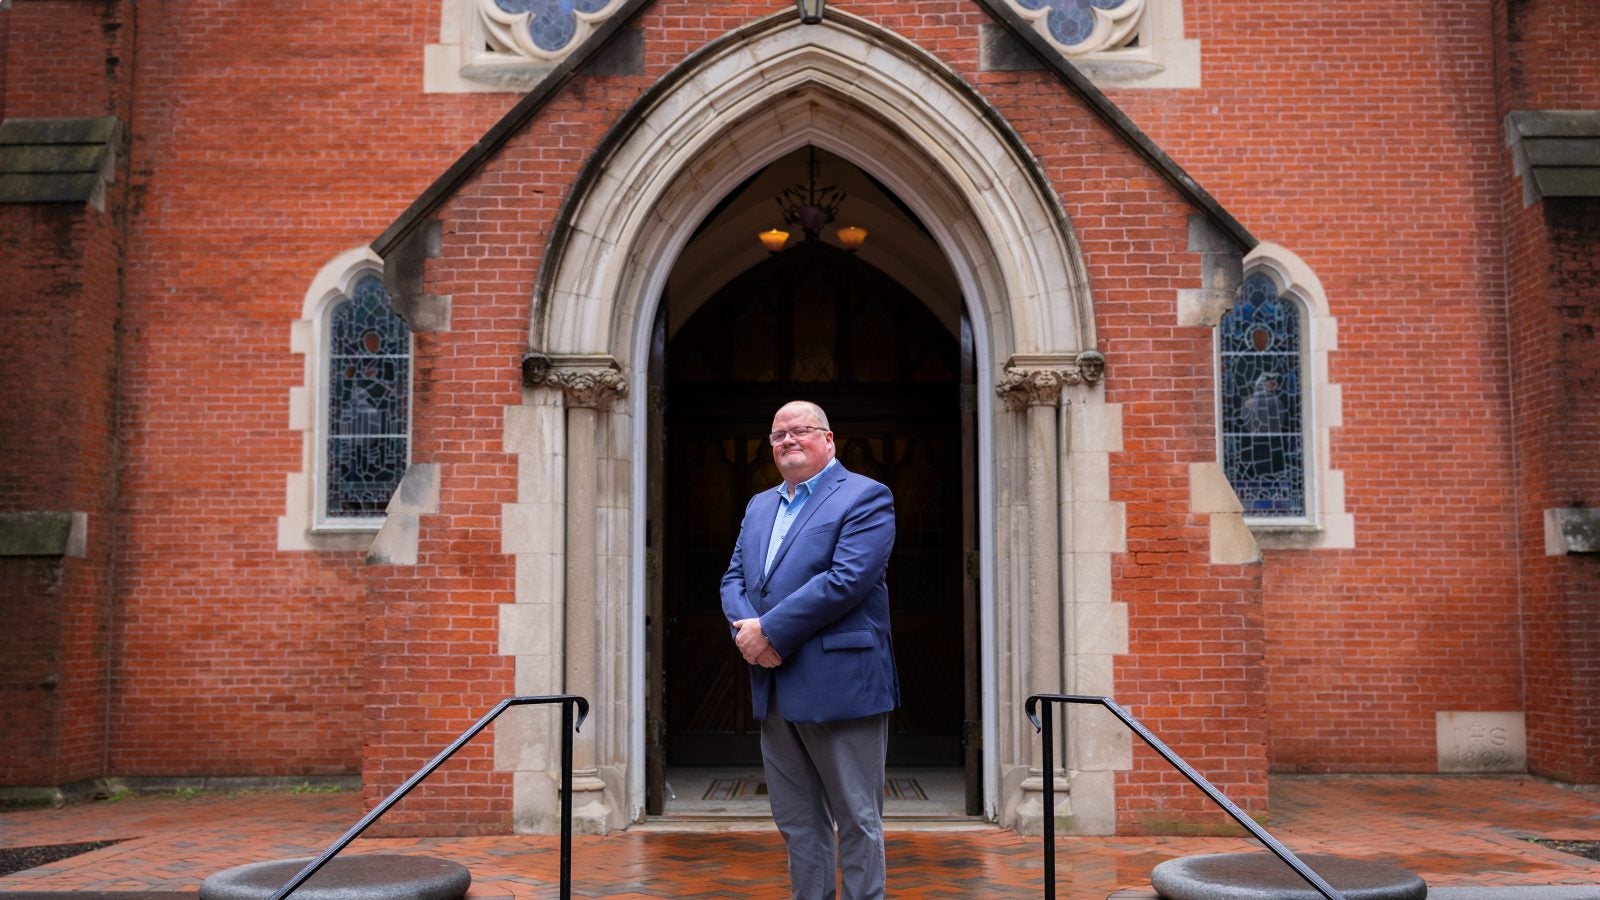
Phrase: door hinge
[973,561]
[972,734]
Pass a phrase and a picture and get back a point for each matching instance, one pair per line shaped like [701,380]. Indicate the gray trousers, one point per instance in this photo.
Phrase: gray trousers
[819,775]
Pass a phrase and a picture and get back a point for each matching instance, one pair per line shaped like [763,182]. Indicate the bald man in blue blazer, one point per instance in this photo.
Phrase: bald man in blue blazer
[807,599]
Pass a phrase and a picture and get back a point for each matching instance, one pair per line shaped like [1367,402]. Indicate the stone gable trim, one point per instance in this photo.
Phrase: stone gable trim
[511,123]
[521,114]
[1107,110]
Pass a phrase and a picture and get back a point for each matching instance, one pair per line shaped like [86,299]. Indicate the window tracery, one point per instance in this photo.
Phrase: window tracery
[539,30]
[1080,27]
[368,402]
[1263,401]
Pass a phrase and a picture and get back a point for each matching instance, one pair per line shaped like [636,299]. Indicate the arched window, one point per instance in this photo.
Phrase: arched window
[366,414]
[1265,419]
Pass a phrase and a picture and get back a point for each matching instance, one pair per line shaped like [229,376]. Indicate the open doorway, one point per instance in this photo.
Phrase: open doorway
[894,371]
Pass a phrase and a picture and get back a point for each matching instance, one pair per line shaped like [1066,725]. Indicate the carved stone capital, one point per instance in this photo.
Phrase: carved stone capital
[587,381]
[1022,388]
[1037,379]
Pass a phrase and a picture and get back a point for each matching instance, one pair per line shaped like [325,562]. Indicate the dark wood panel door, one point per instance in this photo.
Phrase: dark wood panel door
[813,323]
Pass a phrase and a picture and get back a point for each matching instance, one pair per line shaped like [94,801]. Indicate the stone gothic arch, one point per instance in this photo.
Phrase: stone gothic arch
[867,95]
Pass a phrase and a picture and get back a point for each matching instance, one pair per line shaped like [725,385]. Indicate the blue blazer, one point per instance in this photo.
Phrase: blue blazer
[825,603]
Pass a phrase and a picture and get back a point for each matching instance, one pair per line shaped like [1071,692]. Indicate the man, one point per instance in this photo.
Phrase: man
[808,601]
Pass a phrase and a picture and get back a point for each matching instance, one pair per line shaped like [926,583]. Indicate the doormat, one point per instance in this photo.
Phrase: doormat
[756,788]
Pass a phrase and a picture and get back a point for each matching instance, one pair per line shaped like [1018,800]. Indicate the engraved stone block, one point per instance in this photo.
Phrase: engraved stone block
[1482,742]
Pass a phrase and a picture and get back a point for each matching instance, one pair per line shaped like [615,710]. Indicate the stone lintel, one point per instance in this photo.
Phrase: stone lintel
[44,533]
[1571,531]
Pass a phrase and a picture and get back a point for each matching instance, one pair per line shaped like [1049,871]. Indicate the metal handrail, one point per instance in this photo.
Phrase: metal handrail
[568,728]
[1174,760]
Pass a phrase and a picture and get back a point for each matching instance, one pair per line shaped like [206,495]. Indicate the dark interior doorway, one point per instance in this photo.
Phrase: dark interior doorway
[817,323]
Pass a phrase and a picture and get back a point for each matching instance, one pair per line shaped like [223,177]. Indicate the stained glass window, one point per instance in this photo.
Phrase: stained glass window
[551,24]
[369,402]
[1072,23]
[1262,403]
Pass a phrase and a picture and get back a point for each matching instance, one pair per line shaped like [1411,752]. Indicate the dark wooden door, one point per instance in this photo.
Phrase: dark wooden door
[814,323]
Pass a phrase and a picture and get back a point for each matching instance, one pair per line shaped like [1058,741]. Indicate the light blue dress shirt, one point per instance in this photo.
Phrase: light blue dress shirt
[789,509]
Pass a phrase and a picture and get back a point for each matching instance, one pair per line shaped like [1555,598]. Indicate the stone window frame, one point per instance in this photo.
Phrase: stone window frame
[462,62]
[1326,524]
[304,525]
[1163,58]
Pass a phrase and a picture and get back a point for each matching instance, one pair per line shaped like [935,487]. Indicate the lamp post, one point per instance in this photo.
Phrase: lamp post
[811,11]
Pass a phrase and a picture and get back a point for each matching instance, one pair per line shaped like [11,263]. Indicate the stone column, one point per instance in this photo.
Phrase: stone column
[1033,385]
[589,385]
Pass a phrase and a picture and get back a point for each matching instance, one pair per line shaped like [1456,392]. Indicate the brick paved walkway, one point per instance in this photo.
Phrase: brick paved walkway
[1451,831]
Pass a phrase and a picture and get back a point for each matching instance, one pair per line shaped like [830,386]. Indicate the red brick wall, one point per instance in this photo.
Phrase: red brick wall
[58,351]
[1549,60]
[60,302]
[1193,674]
[268,139]
[1363,137]
[1563,421]
[1553,248]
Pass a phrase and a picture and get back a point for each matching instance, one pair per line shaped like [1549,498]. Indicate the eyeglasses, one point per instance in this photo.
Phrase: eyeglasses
[799,433]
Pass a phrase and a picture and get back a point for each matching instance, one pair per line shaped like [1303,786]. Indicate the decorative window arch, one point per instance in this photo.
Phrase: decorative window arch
[507,45]
[1119,43]
[354,408]
[1276,406]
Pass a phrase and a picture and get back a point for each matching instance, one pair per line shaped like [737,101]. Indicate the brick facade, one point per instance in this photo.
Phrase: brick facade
[263,142]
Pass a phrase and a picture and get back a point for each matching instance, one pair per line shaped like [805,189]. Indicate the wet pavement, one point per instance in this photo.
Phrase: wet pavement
[1463,835]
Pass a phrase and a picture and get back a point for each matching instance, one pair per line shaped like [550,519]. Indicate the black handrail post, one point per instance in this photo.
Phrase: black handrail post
[1049,806]
[567,730]
[1183,768]
[568,726]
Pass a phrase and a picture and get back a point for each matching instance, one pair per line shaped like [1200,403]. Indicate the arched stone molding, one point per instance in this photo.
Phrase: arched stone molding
[859,92]
[868,96]
[296,527]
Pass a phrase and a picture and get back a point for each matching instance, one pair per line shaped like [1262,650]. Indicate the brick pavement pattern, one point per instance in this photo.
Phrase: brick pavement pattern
[1451,831]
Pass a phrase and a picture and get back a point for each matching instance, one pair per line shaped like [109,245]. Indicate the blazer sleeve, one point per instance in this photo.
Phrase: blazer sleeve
[860,557]
[735,605]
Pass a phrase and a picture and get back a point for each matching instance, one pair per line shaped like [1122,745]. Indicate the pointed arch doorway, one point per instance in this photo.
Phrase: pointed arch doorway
[594,405]
[817,323]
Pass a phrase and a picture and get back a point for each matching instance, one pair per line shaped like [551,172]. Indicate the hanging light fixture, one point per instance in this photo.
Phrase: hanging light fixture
[811,11]
[773,239]
[851,237]
[813,208]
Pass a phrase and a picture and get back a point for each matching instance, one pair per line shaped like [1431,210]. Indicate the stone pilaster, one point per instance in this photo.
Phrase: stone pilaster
[1033,386]
[589,384]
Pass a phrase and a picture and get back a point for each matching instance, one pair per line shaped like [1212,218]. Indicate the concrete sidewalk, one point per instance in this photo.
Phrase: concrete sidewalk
[1464,836]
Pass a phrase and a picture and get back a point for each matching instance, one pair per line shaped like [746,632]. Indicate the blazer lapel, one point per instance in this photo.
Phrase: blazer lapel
[755,550]
[825,491]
